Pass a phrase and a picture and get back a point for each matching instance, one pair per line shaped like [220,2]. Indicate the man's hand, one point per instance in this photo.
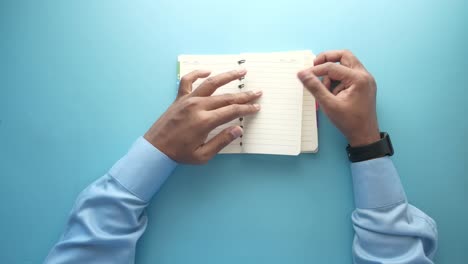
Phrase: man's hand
[351,104]
[182,130]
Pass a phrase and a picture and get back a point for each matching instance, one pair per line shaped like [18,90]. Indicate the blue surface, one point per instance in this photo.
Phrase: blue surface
[81,80]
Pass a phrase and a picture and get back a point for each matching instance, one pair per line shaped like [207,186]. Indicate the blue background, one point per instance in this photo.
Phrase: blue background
[81,80]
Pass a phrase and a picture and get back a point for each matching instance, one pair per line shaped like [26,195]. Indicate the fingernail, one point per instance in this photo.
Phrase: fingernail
[257,106]
[236,132]
[258,92]
[241,71]
[304,75]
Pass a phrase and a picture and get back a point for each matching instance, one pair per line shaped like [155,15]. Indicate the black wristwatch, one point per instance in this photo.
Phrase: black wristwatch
[378,149]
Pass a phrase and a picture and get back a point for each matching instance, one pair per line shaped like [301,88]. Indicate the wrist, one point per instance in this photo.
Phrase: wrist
[159,142]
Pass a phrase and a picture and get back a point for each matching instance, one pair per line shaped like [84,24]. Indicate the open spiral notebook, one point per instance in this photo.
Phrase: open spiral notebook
[287,121]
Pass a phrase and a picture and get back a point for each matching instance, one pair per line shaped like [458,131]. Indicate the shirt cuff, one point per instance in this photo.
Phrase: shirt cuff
[143,169]
[376,184]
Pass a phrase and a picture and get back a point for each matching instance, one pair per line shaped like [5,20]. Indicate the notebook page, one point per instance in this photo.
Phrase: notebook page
[309,113]
[216,64]
[276,129]
[309,141]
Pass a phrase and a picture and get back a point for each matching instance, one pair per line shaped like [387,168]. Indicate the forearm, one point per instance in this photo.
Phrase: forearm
[108,217]
[387,227]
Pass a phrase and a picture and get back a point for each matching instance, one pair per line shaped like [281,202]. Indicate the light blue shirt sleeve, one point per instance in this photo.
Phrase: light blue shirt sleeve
[387,228]
[109,216]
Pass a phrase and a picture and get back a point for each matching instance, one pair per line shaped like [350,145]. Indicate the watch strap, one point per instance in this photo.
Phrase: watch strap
[378,149]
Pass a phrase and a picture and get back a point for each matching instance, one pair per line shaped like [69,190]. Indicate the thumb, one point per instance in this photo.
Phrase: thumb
[315,86]
[218,142]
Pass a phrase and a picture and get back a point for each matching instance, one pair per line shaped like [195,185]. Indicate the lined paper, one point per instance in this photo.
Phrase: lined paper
[216,64]
[276,129]
[309,114]
[309,135]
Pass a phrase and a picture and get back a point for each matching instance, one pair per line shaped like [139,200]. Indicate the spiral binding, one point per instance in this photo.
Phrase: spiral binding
[240,86]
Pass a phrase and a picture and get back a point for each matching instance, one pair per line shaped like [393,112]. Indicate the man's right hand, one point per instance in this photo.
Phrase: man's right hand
[182,130]
[351,104]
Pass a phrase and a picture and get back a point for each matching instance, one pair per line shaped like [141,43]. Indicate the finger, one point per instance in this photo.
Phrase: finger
[218,142]
[326,81]
[228,113]
[218,101]
[345,57]
[333,70]
[186,82]
[210,85]
[340,87]
[313,84]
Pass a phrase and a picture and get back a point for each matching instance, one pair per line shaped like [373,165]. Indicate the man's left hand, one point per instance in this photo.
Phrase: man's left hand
[182,130]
